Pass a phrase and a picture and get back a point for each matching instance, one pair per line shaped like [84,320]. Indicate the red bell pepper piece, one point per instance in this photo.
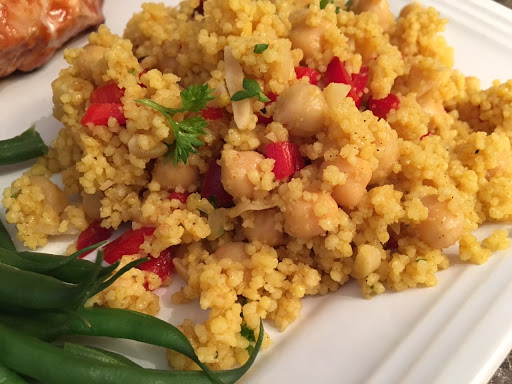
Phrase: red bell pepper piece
[161,265]
[212,187]
[381,107]
[212,113]
[108,93]
[287,156]
[181,196]
[93,234]
[425,135]
[359,81]
[127,244]
[314,76]
[337,73]
[98,114]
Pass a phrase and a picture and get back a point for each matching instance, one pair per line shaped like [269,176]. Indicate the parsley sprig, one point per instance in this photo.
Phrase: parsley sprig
[251,89]
[186,132]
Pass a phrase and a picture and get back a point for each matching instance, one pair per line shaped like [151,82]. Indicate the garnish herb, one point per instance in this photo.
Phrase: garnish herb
[248,334]
[348,4]
[213,202]
[421,259]
[186,132]
[23,147]
[251,89]
[323,4]
[259,48]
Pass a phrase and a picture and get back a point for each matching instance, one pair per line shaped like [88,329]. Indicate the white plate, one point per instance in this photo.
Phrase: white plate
[457,332]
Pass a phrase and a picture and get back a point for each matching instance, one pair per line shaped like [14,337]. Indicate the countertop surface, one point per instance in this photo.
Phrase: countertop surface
[503,374]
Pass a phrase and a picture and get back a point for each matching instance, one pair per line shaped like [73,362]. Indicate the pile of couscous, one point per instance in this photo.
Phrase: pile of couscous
[271,150]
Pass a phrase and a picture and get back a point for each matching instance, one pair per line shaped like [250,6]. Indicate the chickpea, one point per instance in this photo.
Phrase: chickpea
[53,195]
[234,251]
[387,153]
[442,227]
[171,176]
[358,175]
[302,218]
[301,109]
[92,204]
[235,167]
[264,229]
[504,166]
[87,59]
[367,260]
[379,7]
[146,147]
[309,39]
[408,9]
[430,105]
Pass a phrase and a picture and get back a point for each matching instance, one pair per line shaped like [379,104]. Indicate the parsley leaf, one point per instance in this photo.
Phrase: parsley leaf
[259,48]
[421,259]
[251,89]
[348,4]
[248,333]
[213,202]
[186,132]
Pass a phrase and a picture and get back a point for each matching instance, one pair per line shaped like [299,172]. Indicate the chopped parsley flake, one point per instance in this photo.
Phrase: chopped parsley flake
[421,259]
[323,4]
[259,48]
[251,89]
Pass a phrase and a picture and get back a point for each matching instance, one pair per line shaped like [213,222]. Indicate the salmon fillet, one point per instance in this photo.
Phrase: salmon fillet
[32,30]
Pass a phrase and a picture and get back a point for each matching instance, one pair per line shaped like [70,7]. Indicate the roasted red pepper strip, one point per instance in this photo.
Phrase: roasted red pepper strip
[381,107]
[93,234]
[212,187]
[127,244]
[98,114]
[313,75]
[108,93]
[212,113]
[161,265]
[181,196]
[287,156]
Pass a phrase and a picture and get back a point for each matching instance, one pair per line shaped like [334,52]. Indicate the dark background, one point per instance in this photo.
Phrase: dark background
[504,373]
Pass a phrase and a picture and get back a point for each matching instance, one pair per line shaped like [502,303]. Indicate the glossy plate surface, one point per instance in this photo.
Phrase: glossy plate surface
[457,332]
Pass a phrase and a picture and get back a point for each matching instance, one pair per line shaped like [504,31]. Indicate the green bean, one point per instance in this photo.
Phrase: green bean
[73,272]
[15,260]
[8,376]
[35,358]
[100,287]
[5,238]
[47,326]
[23,147]
[25,289]
[121,323]
[98,354]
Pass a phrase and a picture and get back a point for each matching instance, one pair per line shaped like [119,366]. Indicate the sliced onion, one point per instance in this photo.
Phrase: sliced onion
[242,110]
[250,205]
